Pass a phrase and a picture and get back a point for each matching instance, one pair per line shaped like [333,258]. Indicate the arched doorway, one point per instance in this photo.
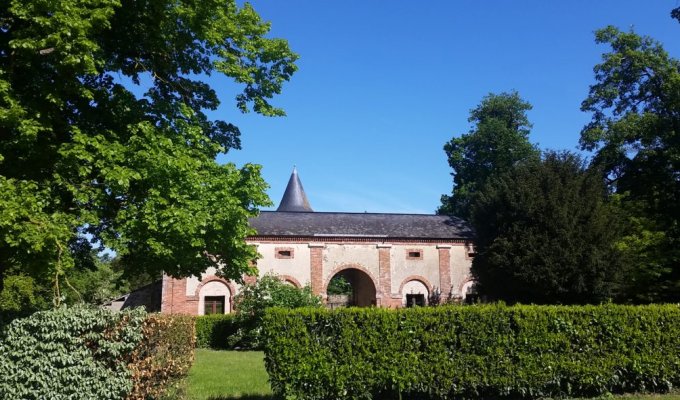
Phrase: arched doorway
[351,287]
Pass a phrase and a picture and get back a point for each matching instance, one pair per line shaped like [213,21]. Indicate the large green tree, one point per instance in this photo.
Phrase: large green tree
[498,140]
[635,133]
[85,162]
[546,233]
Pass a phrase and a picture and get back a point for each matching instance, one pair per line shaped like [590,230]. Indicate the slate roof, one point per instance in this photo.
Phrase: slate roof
[334,224]
[294,198]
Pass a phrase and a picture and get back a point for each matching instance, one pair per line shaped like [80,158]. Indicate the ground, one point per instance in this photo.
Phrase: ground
[231,375]
[226,375]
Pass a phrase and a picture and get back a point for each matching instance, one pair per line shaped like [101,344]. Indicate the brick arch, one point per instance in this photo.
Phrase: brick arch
[215,278]
[290,279]
[352,266]
[467,280]
[419,278]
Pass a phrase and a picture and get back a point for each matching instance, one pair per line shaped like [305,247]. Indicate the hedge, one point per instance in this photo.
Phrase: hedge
[90,353]
[214,330]
[490,351]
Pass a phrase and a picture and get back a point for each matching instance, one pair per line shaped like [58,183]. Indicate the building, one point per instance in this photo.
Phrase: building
[390,260]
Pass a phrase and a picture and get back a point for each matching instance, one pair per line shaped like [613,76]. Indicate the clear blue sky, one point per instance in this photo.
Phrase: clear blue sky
[382,85]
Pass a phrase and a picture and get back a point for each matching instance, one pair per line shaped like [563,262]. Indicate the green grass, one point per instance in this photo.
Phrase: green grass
[226,375]
[230,375]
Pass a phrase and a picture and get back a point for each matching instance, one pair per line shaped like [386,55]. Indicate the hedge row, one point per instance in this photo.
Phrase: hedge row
[491,351]
[91,353]
[214,330]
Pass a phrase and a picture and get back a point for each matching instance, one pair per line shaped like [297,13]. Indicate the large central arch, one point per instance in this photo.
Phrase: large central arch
[363,285]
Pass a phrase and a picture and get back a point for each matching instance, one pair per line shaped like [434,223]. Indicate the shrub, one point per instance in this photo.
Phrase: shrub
[490,351]
[214,330]
[253,300]
[91,353]
[164,355]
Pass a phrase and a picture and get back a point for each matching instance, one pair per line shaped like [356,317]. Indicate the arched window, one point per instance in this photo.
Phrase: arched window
[414,293]
[214,298]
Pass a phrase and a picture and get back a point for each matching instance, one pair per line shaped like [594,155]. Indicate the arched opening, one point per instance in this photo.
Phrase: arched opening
[351,287]
[415,293]
[469,293]
[214,298]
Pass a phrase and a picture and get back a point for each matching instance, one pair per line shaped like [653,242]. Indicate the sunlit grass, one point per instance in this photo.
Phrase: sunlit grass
[224,375]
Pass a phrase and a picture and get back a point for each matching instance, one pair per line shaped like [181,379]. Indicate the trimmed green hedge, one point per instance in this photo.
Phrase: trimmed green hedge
[472,352]
[91,353]
[214,330]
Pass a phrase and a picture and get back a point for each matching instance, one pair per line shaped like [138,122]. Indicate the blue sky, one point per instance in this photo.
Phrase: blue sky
[383,85]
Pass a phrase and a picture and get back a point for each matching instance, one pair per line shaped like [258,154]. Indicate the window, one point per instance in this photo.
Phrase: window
[284,252]
[213,305]
[414,254]
[415,300]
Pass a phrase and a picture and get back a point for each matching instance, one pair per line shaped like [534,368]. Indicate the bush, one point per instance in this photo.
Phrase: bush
[490,351]
[91,353]
[164,355]
[213,331]
[253,300]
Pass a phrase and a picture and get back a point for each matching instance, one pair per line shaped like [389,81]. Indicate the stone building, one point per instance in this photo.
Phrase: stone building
[390,260]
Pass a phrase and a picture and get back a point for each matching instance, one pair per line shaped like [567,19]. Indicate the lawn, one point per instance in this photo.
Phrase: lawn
[230,375]
[226,375]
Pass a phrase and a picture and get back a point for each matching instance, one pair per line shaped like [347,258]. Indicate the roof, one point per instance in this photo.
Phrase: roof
[294,198]
[334,224]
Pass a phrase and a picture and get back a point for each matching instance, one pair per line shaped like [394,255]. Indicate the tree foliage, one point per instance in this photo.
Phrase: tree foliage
[85,162]
[498,140]
[545,233]
[635,131]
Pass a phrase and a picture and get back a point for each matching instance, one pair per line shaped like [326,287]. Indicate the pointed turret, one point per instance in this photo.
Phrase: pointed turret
[294,198]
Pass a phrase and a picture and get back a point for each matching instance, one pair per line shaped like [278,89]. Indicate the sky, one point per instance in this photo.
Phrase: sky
[383,85]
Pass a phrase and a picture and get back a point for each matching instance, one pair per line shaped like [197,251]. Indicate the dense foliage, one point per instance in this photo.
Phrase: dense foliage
[215,330]
[635,106]
[91,353]
[85,159]
[545,233]
[254,299]
[498,140]
[472,352]
[163,357]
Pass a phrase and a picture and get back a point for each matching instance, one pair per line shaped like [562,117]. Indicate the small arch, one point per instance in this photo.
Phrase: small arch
[422,279]
[214,286]
[415,290]
[465,288]
[291,280]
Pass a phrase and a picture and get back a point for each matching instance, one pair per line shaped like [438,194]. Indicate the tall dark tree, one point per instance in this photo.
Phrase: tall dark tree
[635,131]
[545,233]
[498,140]
[85,161]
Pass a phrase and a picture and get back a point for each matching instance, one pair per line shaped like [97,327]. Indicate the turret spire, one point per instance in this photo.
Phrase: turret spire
[294,198]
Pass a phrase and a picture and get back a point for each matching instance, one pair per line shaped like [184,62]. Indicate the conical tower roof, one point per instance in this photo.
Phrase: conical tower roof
[294,198]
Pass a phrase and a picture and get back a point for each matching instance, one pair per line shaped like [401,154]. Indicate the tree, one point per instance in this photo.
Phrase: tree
[545,233]
[84,162]
[635,106]
[498,140]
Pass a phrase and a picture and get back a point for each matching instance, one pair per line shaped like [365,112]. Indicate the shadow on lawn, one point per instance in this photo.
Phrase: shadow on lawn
[245,397]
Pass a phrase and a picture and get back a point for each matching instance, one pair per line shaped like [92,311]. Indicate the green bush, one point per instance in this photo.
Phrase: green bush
[91,353]
[252,301]
[213,331]
[490,351]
